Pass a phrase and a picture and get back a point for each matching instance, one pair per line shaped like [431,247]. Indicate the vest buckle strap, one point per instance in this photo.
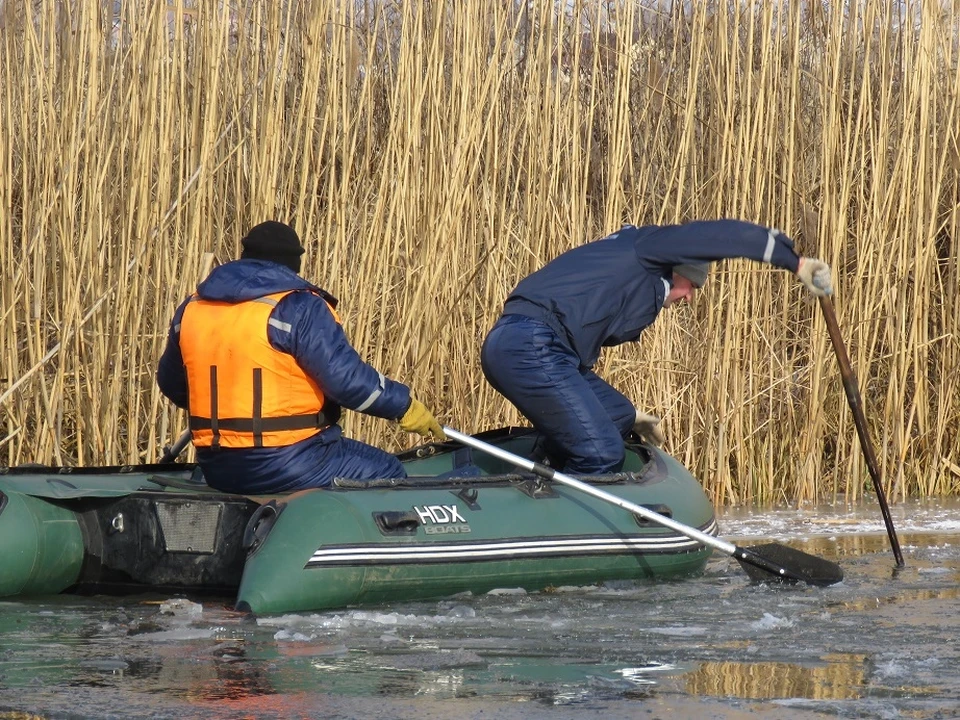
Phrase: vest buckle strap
[264,425]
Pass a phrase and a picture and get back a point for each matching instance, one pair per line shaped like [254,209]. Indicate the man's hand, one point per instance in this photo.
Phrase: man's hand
[417,419]
[647,427]
[815,275]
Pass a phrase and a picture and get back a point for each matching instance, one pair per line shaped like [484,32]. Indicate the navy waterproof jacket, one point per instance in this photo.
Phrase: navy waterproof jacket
[302,325]
[608,291]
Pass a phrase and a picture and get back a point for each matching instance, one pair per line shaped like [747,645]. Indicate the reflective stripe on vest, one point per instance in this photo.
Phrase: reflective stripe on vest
[242,392]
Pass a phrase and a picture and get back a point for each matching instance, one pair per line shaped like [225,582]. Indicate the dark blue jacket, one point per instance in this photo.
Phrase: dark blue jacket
[306,329]
[608,291]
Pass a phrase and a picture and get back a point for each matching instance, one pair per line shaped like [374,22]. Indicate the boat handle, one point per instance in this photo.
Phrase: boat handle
[660,509]
[397,522]
[259,526]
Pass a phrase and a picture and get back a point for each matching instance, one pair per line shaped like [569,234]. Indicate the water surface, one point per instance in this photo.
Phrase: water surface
[882,644]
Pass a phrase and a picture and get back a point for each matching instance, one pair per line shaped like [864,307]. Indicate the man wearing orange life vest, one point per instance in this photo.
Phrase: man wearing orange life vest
[259,359]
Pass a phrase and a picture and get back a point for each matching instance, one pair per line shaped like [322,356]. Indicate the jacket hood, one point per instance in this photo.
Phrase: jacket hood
[242,280]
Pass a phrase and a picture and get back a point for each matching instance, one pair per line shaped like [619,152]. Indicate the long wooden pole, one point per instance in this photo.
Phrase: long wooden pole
[856,407]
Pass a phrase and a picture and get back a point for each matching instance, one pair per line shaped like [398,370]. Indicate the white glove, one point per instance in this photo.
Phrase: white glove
[646,426]
[815,275]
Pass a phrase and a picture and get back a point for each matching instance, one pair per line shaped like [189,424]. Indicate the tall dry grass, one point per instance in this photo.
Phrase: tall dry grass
[431,154]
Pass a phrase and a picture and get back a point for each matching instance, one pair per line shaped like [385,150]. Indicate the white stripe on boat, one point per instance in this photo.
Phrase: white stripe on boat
[507,549]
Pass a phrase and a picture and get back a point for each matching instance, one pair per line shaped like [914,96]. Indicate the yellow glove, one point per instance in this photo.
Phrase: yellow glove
[417,419]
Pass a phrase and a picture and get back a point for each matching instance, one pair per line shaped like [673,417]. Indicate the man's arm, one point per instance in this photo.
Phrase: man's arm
[711,240]
[305,328]
[171,375]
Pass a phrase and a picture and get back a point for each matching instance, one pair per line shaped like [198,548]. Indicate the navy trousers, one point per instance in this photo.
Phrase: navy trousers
[310,463]
[583,418]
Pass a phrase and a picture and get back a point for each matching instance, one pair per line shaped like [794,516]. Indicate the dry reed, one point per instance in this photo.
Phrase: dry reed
[431,154]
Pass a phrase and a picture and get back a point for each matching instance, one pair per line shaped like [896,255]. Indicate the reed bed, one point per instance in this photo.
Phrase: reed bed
[431,154]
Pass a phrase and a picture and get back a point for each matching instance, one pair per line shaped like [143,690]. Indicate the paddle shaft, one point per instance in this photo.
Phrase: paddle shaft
[551,474]
[171,453]
[860,420]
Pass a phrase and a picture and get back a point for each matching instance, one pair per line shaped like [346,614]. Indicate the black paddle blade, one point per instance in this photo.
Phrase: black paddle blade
[778,563]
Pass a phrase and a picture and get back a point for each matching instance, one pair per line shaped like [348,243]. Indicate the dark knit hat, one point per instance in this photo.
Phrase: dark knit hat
[696,273]
[273,241]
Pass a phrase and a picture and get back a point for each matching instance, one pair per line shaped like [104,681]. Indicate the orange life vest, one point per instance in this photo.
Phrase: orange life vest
[242,392]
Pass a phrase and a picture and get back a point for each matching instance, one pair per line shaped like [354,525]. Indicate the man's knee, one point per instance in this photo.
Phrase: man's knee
[606,457]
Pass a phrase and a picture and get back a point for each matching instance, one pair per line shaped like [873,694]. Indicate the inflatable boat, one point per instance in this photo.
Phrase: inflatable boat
[462,521]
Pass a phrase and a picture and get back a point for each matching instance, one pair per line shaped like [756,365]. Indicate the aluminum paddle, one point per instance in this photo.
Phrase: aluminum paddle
[771,562]
[173,452]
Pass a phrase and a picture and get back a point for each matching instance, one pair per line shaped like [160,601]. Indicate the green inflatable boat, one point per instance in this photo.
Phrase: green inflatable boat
[462,521]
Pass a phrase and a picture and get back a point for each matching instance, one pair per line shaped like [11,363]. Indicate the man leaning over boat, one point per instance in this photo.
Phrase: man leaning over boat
[258,357]
[541,352]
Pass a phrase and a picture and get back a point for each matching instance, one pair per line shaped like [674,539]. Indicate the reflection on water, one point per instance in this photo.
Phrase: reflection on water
[839,678]
[859,544]
[901,598]
[228,677]
[877,645]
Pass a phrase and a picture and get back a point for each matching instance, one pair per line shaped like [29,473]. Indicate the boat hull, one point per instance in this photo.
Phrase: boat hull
[503,539]
[459,523]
